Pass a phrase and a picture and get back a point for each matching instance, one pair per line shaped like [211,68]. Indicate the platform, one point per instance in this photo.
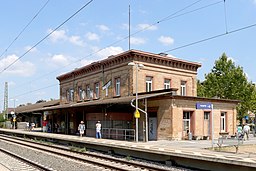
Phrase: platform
[195,150]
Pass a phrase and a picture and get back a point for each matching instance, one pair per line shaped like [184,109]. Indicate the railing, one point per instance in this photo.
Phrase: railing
[118,134]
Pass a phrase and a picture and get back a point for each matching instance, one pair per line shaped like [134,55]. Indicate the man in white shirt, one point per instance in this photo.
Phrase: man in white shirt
[81,128]
[246,131]
[98,129]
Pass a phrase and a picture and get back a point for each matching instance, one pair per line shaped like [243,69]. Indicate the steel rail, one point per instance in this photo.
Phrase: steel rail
[24,160]
[120,162]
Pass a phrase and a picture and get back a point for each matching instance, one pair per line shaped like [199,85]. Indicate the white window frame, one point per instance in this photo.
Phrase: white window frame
[118,86]
[183,88]
[223,121]
[149,83]
[167,83]
[80,92]
[71,94]
[186,120]
[97,90]
[67,95]
[88,92]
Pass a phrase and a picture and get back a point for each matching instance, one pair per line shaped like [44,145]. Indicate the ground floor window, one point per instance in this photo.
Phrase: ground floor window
[186,121]
[223,122]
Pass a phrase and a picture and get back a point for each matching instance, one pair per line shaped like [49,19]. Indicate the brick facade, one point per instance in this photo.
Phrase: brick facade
[167,111]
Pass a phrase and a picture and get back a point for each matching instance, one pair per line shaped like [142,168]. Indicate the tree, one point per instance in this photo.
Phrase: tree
[228,81]
[40,101]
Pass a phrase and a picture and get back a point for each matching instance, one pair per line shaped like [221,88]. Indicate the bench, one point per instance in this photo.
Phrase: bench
[223,141]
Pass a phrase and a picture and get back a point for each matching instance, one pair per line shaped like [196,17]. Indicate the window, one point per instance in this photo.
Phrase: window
[223,122]
[88,92]
[167,83]
[67,95]
[117,88]
[96,90]
[80,92]
[149,84]
[183,88]
[206,115]
[186,122]
[71,95]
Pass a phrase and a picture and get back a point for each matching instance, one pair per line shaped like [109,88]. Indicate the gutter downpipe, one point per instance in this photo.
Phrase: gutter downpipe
[146,116]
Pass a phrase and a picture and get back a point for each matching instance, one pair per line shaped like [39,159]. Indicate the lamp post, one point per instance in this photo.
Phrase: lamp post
[137,66]
[13,112]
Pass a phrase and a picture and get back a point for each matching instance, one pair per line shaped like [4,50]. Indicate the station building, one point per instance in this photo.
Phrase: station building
[166,89]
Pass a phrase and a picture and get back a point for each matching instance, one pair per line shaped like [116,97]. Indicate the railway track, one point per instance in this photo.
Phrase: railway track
[106,162]
[11,161]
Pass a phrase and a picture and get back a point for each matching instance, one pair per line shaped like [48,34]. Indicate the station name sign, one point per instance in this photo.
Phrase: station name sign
[201,105]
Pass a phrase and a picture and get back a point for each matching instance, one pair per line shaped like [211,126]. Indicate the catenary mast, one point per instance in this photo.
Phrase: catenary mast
[5,112]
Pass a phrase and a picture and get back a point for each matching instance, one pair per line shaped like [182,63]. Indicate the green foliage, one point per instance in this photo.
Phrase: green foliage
[228,81]
[2,118]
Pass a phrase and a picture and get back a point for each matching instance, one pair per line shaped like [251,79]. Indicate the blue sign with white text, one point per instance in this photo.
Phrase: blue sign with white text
[203,105]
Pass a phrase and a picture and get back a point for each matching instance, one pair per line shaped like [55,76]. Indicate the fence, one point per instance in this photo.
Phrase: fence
[118,134]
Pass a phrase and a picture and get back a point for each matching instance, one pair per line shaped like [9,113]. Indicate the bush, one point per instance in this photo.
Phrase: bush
[2,118]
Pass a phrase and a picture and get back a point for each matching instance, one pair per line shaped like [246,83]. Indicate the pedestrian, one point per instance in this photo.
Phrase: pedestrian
[29,125]
[33,125]
[81,128]
[240,132]
[98,129]
[246,131]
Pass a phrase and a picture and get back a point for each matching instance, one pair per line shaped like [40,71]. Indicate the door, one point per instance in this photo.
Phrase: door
[207,123]
[152,128]
[186,122]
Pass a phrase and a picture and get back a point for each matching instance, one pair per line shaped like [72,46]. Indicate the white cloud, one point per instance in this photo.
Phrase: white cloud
[137,41]
[76,40]
[85,62]
[232,59]
[19,68]
[103,54]
[92,36]
[29,47]
[165,40]
[147,27]
[102,27]
[110,51]
[57,35]
[169,55]
[59,60]
[61,35]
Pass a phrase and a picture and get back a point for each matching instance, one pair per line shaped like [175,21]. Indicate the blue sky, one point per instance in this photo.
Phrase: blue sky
[100,30]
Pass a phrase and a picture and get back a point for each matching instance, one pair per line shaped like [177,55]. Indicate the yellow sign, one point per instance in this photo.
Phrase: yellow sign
[137,114]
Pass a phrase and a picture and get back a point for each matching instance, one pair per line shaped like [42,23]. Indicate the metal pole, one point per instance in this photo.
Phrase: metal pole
[212,127]
[137,121]
[146,118]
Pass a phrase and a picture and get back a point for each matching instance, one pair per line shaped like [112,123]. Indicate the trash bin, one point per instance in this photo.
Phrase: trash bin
[189,136]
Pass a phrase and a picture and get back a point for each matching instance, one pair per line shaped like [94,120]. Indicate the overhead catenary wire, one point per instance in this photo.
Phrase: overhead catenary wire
[35,90]
[40,41]
[190,44]
[199,41]
[16,38]
[212,37]
[169,17]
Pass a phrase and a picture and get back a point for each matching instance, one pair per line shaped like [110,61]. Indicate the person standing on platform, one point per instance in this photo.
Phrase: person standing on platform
[98,129]
[81,128]
[246,131]
[240,132]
